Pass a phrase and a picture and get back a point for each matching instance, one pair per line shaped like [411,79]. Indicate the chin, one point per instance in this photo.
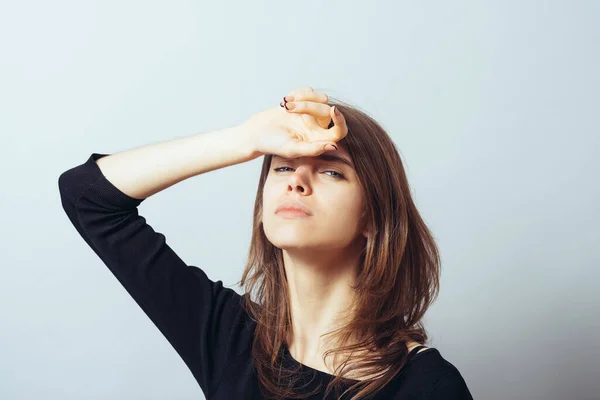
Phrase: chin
[289,240]
[292,246]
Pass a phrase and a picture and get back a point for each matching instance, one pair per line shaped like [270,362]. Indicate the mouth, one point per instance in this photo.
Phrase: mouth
[293,208]
[292,212]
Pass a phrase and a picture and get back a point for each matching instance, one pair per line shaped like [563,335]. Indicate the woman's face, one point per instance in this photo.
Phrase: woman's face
[327,187]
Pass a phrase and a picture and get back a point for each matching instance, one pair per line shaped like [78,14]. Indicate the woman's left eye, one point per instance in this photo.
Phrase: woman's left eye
[339,176]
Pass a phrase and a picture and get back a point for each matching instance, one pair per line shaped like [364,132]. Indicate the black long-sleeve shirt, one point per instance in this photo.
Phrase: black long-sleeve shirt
[204,321]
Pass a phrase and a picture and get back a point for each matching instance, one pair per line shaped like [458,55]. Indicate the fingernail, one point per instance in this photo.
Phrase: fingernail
[288,98]
[336,111]
[290,106]
[330,147]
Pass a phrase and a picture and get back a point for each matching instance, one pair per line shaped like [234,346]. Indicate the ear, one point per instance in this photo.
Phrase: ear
[368,233]
[367,230]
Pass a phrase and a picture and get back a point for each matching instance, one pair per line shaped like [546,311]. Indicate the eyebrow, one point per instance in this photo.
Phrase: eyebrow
[327,157]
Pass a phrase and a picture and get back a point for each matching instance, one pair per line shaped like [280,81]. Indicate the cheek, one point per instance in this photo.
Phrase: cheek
[267,198]
[344,211]
[349,201]
[269,204]
[355,209]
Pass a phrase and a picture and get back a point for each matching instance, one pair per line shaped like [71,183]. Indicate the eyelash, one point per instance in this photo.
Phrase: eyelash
[339,174]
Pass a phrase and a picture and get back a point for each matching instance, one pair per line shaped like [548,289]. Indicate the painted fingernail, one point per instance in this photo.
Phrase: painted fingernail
[290,106]
[288,98]
[281,104]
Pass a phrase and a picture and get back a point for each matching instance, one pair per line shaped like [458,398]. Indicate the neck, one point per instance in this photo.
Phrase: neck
[319,285]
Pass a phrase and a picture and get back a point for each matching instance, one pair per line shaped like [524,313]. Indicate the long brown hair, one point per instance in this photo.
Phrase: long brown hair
[397,279]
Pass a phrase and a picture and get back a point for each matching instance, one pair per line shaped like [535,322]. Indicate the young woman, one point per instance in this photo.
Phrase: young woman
[341,264]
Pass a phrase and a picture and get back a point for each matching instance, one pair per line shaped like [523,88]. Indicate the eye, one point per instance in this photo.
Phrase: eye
[338,175]
[277,169]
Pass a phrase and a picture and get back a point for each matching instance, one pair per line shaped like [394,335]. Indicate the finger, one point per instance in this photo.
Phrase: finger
[317,110]
[312,149]
[317,97]
[339,128]
[298,92]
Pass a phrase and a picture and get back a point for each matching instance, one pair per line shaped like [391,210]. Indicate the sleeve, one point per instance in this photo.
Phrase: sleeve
[195,314]
[451,386]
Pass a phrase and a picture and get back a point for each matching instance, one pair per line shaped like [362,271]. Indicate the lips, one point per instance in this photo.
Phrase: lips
[293,206]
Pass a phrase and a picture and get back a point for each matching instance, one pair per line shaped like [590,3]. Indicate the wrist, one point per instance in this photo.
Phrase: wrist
[243,135]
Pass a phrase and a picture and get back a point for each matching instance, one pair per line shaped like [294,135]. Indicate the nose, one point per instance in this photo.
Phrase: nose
[298,182]
[298,188]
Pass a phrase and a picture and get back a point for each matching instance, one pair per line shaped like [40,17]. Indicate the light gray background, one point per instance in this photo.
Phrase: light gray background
[494,107]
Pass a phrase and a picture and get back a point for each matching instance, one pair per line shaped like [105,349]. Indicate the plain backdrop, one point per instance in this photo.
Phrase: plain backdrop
[494,107]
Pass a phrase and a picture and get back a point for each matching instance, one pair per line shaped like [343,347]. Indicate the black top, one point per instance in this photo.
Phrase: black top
[204,321]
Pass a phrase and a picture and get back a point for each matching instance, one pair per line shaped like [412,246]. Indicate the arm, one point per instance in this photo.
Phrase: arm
[147,170]
[101,196]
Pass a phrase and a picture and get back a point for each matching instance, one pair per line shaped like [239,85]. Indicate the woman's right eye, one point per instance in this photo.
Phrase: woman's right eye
[279,168]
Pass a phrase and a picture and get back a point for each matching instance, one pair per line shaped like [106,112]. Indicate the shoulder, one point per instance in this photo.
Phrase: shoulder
[451,386]
[412,345]
[429,375]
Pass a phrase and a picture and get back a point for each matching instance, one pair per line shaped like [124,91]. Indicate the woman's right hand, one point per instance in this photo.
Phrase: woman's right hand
[299,131]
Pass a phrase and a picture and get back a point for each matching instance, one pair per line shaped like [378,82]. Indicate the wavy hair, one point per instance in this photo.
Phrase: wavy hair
[397,278]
